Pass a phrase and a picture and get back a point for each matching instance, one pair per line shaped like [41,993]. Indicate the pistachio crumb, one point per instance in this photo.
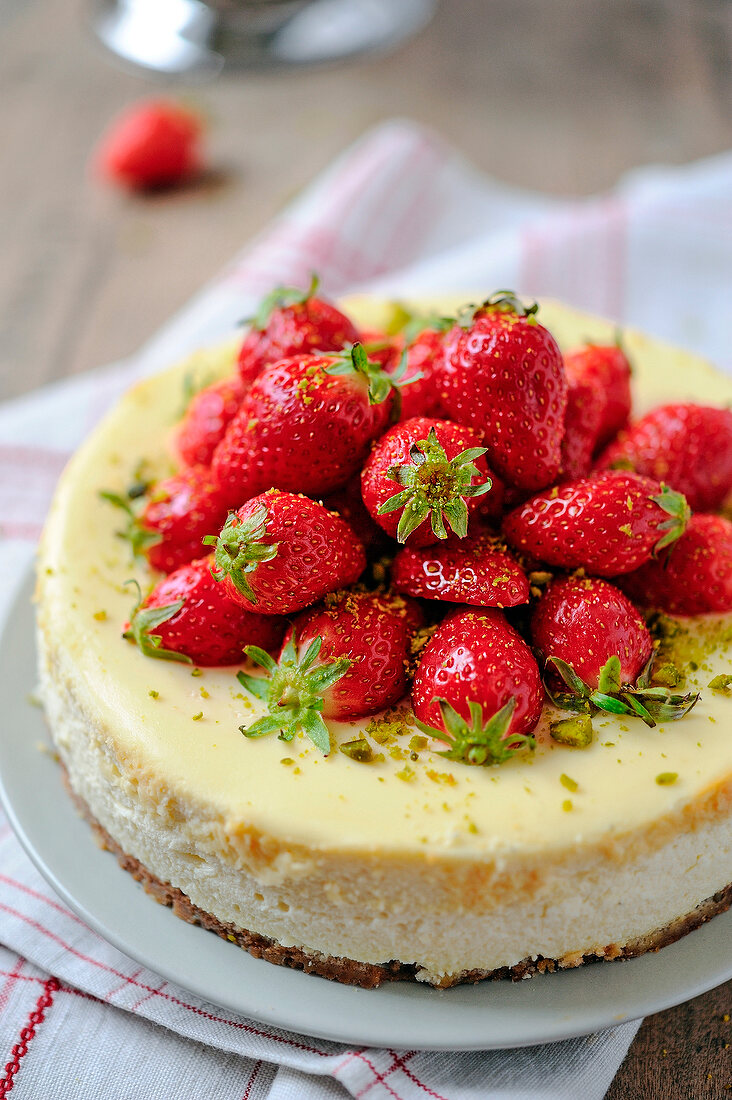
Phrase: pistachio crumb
[568,782]
[100,615]
[287,760]
[196,672]
[567,805]
[198,717]
[665,779]
[153,693]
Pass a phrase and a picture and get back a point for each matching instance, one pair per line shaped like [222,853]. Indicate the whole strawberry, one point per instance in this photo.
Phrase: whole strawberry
[206,419]
[687,446]
[305,426]
[504,375]
[177,514]
[422,474]
[598,655]
[281,552]
[292,322]
[343,659]
[476,570]
[152,144]
[609,523]
[584,622]
[424,356]
[606,371]
[478,687]
[582,422]
[694,577]
[349,505]
[189,617]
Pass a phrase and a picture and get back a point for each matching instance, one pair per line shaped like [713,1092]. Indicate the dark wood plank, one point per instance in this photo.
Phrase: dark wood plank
[684,1053]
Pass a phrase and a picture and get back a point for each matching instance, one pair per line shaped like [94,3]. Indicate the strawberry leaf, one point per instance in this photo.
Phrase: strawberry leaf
[293,690]
[478,742]
[651,704]
[140,538]
[676,506]
[240,550]
[280,298]
[434,486]
[145,619]
[354,360]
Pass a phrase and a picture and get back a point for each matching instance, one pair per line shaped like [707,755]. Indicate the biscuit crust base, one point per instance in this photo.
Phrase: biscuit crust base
[372,975]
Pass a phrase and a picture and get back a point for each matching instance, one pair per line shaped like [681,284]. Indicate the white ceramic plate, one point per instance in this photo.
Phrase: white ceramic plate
[406,1015]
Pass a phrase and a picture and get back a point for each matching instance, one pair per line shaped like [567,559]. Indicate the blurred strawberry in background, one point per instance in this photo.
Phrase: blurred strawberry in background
[155,143]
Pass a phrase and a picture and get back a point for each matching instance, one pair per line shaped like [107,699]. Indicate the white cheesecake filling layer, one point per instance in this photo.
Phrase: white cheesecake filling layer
[445,866]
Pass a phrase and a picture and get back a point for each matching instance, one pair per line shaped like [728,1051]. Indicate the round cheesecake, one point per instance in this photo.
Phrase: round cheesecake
[409,865]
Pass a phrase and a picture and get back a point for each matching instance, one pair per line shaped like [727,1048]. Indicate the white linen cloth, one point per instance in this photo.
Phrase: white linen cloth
[399,212]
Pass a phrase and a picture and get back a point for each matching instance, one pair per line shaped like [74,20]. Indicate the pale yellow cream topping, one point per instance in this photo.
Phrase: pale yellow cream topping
[176,729]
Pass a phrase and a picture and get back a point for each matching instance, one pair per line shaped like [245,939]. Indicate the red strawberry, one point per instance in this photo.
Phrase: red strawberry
[687,446]
[425,355]
[476,664]
[504,375]
[595,641]
[281,552]
[206,420]
[476,570]
[152,144]
[584,622]
[349,505]
[345,658]
[606,370]
[442,473]
[189,617]
[582,422]
[292,322]
[694,577]
[609,523]
[177,514]
[181,510]
[305,426]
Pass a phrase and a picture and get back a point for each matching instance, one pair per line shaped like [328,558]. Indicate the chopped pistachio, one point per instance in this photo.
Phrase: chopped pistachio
[721,683]
[569,783]
[665,779]
[576,731]
[196,672]
[359,750]
[567,805]
[417,743]
[153,693]
[198,717]
[667,675]
[100,616]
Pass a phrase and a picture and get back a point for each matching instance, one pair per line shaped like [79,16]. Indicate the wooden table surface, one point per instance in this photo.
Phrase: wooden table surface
[560,96]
